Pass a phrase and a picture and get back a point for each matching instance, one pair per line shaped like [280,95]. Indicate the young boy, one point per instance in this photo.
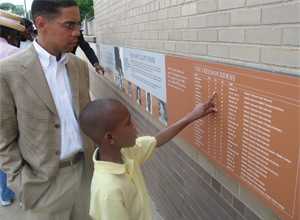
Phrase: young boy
[118,190]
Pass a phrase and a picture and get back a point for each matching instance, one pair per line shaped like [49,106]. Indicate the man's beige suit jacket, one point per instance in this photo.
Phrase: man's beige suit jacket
[30,136]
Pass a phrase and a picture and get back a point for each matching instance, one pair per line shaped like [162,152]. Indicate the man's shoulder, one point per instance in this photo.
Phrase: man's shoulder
[73,57]
[16,63]
[11,62]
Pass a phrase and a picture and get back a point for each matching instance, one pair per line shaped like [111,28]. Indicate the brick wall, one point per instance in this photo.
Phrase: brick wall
[261,34]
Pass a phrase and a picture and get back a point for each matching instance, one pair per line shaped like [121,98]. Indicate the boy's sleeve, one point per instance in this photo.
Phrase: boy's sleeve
[109,210]
[144,148]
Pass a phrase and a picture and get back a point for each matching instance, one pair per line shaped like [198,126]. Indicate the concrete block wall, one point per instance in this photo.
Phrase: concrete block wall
[261,34]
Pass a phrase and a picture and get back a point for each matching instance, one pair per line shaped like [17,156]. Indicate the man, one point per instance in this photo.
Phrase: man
[89,52]
[42,90]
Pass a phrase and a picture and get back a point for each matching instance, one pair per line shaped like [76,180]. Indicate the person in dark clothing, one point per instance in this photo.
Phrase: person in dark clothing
[26,36]
[89,52]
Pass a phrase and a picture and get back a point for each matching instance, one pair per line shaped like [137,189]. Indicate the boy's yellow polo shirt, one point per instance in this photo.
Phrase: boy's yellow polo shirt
[118,191]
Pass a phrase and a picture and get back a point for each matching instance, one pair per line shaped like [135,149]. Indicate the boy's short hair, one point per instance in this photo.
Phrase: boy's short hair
[99,117]
[49,9]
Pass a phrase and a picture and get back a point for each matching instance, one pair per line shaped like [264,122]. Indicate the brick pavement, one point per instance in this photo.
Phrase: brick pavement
[11,212]
[15,212]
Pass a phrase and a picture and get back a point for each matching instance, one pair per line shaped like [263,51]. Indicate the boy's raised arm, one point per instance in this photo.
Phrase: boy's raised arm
[199,111]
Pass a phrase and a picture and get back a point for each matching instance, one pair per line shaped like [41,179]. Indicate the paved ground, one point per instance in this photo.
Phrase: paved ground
[15,212]
[11,212]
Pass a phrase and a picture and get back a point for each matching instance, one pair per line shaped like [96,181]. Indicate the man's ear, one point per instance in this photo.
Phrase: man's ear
[40,23]
[108,138]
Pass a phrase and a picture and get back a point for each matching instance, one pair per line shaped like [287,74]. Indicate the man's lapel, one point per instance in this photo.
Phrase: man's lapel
[36,78]
[74,82]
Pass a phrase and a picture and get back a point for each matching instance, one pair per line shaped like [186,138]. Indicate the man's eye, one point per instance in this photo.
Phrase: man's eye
[71,26]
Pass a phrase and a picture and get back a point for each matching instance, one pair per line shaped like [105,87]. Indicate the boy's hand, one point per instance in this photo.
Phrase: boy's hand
[203,109]
[199,111]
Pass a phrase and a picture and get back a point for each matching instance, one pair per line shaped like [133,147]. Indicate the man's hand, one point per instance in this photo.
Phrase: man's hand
[99,68]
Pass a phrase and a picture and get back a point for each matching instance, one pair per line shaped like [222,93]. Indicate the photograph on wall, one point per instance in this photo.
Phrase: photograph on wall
[149,102]
[138,95]
[119,74]
[162,111]
[129,89]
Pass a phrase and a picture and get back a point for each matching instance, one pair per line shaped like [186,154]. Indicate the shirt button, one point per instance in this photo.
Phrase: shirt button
[57,126]
[57,152]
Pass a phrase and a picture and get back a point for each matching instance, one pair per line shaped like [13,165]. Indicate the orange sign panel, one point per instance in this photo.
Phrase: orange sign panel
[254,137]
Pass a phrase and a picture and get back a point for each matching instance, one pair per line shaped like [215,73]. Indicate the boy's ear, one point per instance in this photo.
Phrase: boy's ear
[108,138]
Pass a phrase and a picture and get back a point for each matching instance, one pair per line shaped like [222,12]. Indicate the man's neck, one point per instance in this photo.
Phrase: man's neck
[41,43]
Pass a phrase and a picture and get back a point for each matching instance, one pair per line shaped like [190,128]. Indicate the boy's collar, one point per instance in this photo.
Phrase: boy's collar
[106,167]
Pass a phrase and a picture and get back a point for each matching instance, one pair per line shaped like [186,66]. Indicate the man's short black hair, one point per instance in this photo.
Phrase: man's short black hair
[49,9]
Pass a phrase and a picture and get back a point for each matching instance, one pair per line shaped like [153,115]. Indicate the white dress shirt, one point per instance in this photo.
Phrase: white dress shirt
[58,81]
